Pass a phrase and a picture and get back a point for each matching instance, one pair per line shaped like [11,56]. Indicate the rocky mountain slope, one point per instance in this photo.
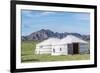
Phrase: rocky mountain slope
[46,33]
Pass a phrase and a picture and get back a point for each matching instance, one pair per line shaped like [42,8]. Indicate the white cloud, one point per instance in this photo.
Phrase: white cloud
[46,13]
[30,13]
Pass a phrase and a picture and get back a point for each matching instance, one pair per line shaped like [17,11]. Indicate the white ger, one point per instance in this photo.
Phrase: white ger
[68,45]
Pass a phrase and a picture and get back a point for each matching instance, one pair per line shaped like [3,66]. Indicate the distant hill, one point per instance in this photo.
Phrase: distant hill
[46,33]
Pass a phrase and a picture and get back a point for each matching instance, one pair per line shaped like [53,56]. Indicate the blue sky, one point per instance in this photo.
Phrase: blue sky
[56,21]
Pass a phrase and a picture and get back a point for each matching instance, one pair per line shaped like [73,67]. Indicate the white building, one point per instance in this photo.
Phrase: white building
[65,46]
[45,47]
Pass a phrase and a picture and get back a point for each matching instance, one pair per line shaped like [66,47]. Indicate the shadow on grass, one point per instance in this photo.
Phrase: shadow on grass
[30,60]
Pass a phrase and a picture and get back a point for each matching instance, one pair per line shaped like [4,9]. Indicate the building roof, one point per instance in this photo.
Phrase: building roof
[55,41]
[50,41]
[71,39]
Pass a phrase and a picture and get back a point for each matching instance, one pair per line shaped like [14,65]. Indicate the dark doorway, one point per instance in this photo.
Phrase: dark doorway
[53,50]
[75,48]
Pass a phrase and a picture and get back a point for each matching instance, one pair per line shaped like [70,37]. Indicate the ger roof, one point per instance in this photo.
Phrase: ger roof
[49,41]
[71,39]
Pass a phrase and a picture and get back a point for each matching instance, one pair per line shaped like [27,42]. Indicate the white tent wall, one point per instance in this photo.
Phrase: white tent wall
[44,49]
[55,50]
[59,50]
[83,48]
[70,48]
[64,50]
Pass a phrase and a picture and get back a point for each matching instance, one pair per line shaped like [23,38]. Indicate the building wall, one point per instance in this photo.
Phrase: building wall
[84,48]
[63,49]
[55,50]
[44,49]
[59,50]
[70,48]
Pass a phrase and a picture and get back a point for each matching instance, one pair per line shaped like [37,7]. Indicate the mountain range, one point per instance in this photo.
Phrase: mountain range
[46,33]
